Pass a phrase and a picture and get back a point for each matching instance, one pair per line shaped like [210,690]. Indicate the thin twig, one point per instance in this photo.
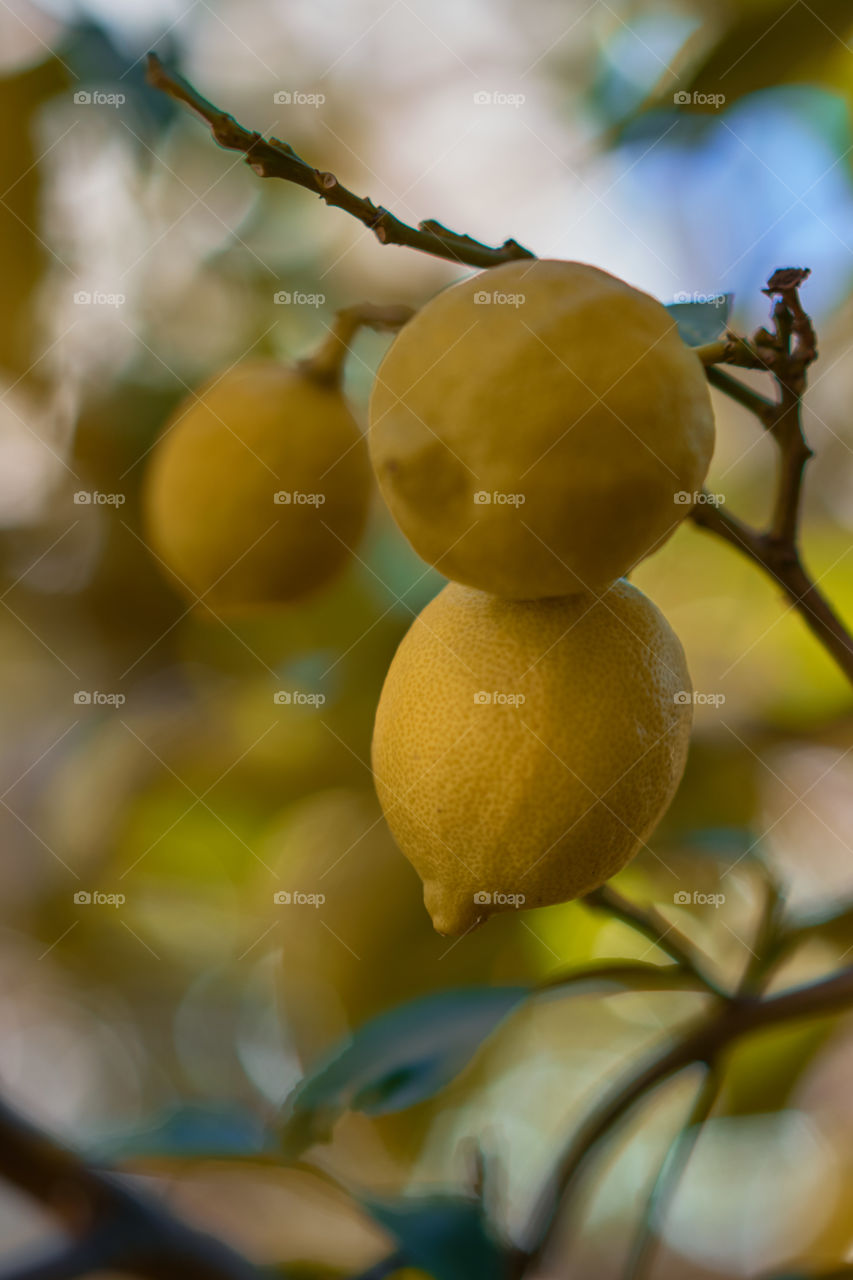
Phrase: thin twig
[669,1176]
[765,949]
[271,158]
[786,352]
[739,391]
[659,930]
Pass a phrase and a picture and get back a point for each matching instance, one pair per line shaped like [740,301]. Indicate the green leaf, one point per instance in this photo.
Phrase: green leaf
[396,1060]
[444,1235]
[192,1131]
[701,322]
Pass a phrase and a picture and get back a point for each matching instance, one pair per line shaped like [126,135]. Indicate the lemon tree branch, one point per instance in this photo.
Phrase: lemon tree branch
[111,1227]
[655,927]
[786,352]
[705,1043]
[271,158]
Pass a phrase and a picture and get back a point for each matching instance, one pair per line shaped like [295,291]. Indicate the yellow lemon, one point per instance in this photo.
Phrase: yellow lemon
[259,487]
[523,751]
[539,428]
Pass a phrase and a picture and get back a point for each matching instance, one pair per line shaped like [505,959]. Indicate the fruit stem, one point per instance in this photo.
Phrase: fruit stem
[327,363]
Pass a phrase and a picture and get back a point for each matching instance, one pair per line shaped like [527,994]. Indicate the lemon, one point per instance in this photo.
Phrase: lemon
[259,487]
[540,428]
[523,751]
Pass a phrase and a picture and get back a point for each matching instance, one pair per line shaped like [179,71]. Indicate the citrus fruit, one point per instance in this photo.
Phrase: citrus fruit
[539,428]
[258,488]
[524,750]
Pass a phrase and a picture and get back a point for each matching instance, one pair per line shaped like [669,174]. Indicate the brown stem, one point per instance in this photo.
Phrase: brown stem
[271,158]
[787,352]
[782,562]
[739,391]
[655,927]
[326,364]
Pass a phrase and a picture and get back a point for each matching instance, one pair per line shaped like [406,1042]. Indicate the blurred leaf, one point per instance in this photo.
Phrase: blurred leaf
[193,1131]
[611,979]
[396,1060]
[836,928]
[767,46]
[700,322]
[445,1235]
[762,1071]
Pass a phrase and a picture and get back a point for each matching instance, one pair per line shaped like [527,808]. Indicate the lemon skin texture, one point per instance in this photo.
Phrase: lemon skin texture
[535,447]
[258,430]
[523,751]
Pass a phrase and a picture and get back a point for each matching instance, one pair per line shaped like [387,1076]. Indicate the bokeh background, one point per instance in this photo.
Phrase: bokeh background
[141,751]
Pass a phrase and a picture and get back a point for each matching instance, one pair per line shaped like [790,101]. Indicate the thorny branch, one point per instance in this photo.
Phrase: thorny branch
[271,158]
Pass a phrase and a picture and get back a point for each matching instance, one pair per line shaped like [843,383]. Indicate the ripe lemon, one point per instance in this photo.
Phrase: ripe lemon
[523,751]
[539,428]
[258,488]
